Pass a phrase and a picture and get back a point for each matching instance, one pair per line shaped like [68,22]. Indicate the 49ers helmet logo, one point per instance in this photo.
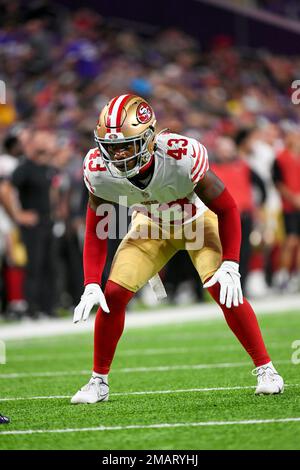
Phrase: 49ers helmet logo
[144,113]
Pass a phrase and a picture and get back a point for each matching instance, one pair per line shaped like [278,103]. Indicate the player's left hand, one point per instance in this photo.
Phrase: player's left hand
[228,277]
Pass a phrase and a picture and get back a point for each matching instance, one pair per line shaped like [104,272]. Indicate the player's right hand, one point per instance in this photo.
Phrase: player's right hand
[91,296]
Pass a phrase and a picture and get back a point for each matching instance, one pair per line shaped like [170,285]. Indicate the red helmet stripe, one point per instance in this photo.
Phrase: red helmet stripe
[108,121]
[115,112]
[119,111]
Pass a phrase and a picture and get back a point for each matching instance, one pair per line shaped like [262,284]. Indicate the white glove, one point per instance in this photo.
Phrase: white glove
[92,295]
[229,278]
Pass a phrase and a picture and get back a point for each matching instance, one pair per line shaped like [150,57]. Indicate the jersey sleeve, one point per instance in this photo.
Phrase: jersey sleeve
[87,176]
[188,152]
[199,160]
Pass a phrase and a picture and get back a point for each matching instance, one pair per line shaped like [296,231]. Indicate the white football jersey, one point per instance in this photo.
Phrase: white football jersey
[179,164]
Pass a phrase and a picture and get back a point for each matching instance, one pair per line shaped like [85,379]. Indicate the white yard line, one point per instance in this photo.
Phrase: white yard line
[170,335]
[11,358]
[170,315]
[50,397]
[147,392]
[220,365]
[151,426]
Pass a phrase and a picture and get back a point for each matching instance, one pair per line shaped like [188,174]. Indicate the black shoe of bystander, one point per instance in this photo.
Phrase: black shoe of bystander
[4,419]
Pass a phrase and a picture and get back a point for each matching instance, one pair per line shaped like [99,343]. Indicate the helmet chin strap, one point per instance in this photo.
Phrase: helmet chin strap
[147,166]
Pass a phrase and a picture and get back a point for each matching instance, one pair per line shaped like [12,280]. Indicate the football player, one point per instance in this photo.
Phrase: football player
[165,173]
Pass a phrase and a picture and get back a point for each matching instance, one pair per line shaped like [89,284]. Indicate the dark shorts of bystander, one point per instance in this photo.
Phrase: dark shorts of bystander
[292,223]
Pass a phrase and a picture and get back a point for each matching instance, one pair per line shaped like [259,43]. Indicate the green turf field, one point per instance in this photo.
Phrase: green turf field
[172,387]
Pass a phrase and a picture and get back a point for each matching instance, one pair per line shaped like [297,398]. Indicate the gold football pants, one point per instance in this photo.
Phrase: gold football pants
[147,247]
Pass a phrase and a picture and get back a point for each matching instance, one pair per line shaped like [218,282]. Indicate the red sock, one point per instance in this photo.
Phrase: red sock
[243,323]
[14,281]
[109,326]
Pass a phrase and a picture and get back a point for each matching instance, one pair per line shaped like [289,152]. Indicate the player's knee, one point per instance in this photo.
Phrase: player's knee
[214,291]
[116,295]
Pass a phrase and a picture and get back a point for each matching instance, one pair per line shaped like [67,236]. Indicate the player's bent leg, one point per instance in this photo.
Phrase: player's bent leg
[243,323]
[108,330]
[242,319]
[109,327]
[136,261]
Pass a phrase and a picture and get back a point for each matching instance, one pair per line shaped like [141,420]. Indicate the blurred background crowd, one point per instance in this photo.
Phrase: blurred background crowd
[60,68]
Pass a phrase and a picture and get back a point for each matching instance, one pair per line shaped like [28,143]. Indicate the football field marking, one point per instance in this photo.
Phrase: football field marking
[165,316]
[129,352]
[147,392]
[135,352]
[151,426]
[170,335]
[221,365]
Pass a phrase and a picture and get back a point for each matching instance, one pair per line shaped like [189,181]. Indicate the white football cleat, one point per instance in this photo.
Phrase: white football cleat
[94,391]
[269,382]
